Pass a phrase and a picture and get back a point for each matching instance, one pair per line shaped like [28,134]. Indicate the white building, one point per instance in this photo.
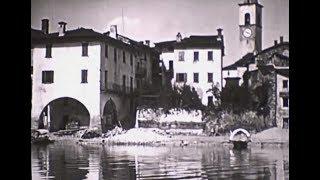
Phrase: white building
[195,61]
[86,77]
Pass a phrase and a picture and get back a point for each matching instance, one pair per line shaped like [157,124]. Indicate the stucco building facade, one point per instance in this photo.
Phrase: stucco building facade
[88,77]
[195,61]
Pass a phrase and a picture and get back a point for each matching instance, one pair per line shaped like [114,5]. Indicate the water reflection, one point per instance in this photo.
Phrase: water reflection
[73,161]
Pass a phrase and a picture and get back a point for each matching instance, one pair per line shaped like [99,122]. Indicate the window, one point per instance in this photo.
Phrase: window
[285,83]
[84,76]
[115,54]
[84,49]
[181,56]
[196,77]
[124,82]
[131,84]
[124,57]
[47,77]
[196,56]
[285,123]
[285,101]
[145,56]
[48,50]
[210,77]
[181,77]
[106,50]
[210,100]
[247,19]
[131,59]
[210,55]
[170,65]
[106,79]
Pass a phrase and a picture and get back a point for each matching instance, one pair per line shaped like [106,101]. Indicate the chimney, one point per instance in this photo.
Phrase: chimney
[62,28]
[148,43]
[179,37]
[219,34]
[45,26]
[113,31]
[275,42]
[219,31]
[281,39]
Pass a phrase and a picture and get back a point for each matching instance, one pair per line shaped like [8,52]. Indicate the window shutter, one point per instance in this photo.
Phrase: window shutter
[185,77]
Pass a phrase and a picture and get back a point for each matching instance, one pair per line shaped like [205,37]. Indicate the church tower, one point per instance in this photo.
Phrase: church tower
[250,26]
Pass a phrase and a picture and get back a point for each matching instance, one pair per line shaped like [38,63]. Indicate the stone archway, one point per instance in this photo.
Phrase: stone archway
[64,113]
[109,119]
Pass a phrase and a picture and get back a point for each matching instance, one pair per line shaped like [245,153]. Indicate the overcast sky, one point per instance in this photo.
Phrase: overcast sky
[161,20]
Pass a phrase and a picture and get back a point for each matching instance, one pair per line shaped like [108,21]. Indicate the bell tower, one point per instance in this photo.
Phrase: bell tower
[250,26]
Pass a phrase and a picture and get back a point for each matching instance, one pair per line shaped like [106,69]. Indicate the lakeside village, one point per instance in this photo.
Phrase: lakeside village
[108,88]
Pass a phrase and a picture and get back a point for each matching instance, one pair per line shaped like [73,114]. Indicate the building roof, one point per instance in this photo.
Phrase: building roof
[193,42]
[243,62]
[249,58]
[280,56]
[83,34]
[80,32]
[273,47]
[283,72]
[36,33]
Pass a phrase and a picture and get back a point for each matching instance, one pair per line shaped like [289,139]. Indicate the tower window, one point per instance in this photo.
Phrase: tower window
[247,19]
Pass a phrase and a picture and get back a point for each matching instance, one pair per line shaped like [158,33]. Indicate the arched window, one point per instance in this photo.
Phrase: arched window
[247,19]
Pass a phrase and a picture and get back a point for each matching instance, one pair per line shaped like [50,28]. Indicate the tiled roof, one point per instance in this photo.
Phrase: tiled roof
[243,62]
[36,33]
[80,32]
[273,47]
[249,58]
[193,42]
[283,72]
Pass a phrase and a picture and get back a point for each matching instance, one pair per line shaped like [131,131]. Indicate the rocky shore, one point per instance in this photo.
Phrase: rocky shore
[273,137]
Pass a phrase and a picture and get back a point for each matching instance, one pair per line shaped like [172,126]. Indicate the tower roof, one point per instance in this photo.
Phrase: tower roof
[250,2]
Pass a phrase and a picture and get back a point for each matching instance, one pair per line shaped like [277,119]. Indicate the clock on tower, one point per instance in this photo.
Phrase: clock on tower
[250,26]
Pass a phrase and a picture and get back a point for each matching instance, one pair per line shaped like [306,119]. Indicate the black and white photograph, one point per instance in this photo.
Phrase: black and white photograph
[159,89]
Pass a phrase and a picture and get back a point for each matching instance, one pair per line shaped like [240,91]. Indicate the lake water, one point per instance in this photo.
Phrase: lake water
[72,161]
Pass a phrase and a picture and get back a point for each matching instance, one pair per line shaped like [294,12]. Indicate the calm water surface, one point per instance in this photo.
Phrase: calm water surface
[69,161]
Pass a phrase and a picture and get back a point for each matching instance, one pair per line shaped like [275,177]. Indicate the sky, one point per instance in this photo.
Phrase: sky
[161,20]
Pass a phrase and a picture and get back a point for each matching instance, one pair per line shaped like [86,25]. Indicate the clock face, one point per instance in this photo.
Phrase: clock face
[247,32]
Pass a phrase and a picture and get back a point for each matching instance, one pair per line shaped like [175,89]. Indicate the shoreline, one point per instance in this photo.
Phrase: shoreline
[173,141]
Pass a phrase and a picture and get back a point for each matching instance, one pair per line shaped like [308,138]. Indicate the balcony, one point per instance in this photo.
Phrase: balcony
[117,89]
